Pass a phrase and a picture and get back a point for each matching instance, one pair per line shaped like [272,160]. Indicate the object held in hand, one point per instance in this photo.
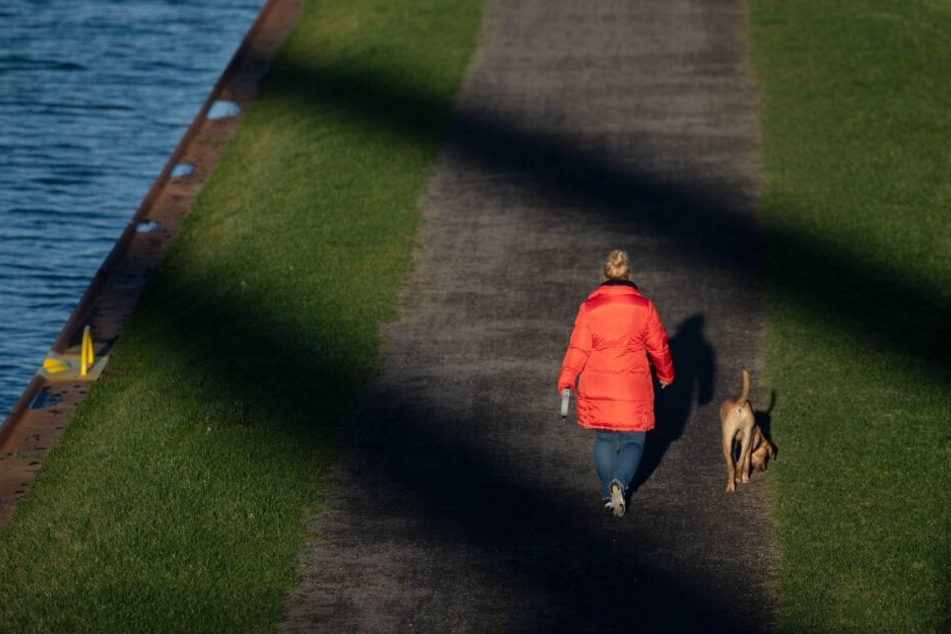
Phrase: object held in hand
[564,403]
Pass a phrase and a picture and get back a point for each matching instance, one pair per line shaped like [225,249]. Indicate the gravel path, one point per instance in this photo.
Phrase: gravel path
[464,505]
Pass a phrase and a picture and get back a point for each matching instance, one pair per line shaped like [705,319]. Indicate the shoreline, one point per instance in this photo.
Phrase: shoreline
[45,407]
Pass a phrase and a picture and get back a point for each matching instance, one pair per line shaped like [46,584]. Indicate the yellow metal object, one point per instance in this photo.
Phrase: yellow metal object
[87,356]
[55,365]
[70,367]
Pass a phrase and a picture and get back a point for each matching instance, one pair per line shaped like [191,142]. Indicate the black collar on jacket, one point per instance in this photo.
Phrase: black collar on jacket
[620,283]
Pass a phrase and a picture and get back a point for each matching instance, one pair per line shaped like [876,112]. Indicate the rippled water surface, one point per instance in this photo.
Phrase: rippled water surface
[94,97]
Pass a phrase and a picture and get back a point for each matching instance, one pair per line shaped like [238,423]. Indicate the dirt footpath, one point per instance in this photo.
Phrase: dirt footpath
[464,505]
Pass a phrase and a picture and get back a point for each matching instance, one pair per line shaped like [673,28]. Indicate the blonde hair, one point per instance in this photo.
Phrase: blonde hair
[617,266]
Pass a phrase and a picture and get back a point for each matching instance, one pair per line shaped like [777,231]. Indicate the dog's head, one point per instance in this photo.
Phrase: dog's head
[762,455]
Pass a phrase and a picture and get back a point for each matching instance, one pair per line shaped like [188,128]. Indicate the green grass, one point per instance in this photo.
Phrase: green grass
[177,498]
[856,260]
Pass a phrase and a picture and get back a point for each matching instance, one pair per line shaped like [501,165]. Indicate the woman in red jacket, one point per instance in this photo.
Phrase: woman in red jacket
[617,335]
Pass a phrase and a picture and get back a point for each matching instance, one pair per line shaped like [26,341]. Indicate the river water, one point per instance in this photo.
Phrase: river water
[94,97]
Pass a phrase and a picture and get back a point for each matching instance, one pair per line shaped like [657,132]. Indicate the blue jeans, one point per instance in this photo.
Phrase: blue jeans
[616,456]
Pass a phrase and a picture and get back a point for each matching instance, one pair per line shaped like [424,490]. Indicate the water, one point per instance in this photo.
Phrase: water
[94,97]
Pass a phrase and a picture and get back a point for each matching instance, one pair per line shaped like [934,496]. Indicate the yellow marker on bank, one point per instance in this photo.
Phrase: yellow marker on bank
[88,357]
[55,365]
[70,366]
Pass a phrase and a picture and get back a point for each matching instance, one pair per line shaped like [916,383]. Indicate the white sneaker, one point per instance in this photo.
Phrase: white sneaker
[617,499]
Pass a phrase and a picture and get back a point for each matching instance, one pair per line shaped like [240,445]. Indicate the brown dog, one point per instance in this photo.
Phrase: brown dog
[737,423]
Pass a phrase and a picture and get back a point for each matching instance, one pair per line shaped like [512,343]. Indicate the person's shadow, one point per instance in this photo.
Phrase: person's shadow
[694,375]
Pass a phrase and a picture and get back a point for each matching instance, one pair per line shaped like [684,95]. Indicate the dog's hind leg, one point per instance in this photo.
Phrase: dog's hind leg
[728,435]
[746,447]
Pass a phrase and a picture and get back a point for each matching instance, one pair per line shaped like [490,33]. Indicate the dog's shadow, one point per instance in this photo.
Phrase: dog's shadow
[694,365]
[764,420]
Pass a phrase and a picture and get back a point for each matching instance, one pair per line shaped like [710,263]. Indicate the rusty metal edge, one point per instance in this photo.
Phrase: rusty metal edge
[117,254]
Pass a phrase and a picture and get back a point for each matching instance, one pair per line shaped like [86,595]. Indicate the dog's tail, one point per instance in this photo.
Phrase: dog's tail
[746,389]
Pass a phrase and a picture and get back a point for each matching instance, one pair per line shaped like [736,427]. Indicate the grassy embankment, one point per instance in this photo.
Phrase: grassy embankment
[857,262]
[176,499]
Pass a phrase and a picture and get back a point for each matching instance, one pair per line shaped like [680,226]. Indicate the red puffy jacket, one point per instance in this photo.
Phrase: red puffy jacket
[617,330]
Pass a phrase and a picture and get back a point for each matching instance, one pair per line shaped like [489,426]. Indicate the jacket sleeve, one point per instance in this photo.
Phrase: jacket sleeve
[579,347]
[657,348]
